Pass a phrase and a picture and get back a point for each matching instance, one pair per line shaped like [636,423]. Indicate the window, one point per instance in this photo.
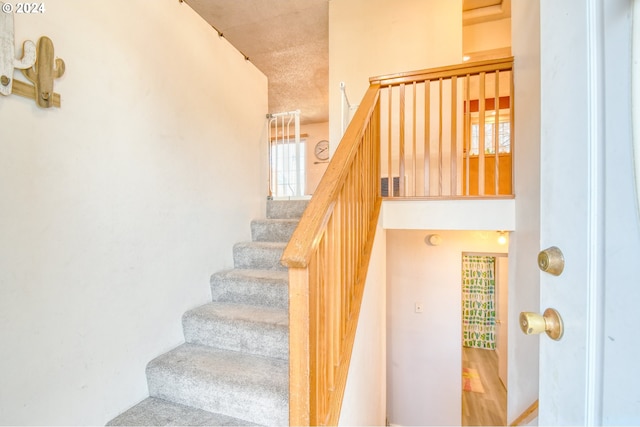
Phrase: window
[284,168]
[504,135]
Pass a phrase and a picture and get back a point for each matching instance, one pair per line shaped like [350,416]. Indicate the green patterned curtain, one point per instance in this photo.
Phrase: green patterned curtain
[478,302]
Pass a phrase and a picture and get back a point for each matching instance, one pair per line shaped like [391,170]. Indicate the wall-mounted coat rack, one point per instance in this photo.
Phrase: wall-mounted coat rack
[38,64]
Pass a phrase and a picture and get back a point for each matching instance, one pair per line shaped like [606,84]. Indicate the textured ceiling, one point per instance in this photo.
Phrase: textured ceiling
[288,40]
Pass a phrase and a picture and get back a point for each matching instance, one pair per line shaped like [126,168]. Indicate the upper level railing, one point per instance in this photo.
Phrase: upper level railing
[448,132]
[329,251]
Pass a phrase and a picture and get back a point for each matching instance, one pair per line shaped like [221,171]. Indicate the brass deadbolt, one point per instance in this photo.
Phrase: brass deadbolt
[550,322]
[551,261]
[4,80]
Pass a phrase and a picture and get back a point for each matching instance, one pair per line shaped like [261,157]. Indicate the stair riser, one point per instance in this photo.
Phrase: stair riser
[286,209]
[250,292]
[266,231]
[218,396]
[159,412]
[256,258]
[248,337]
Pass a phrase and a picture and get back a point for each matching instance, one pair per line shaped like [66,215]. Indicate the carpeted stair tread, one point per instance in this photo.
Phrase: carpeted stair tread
[258,255]
[233,368]
[262,331]
[272,230]
[159,412]
[253,287]
[232,383]
[286,209]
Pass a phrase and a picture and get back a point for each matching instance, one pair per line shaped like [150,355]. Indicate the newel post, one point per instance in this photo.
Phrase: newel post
[299,348]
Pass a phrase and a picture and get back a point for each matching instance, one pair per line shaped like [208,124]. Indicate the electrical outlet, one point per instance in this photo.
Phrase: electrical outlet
[419,307]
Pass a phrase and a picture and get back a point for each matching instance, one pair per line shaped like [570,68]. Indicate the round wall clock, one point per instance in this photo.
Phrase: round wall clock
[322,150]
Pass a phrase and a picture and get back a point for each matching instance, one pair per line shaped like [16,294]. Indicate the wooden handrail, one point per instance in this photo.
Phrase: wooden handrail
[328,257]
[458,70]
[300,247]
[527,415]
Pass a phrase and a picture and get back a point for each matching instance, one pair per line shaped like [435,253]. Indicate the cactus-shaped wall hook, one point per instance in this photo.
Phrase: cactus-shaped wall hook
[8,61]
[46,69]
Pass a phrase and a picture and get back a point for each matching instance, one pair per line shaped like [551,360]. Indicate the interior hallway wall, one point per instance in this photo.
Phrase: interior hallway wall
[373,37]
[487,36]
[117,207]
[424,350]
[365,396]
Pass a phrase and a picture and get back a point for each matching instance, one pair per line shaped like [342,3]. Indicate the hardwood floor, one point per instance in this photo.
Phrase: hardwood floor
[488,408]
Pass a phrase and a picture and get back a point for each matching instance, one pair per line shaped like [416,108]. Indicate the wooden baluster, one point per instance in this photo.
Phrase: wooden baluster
[331,309]
[467,132]
[345,264]
[481,135]
[390,149]
[314,349]
[496,132]
[427,137]
[334,275]
[401,155]
[326,386]
[454,137]
[512,134]
[440,138]
[414,172]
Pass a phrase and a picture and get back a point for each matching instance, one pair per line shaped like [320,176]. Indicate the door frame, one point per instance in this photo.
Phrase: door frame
[572,50]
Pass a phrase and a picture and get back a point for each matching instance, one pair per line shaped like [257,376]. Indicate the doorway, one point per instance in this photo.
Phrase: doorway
[484,338]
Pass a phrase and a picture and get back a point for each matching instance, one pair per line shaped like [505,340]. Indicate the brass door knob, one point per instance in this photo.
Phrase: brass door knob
[551,261]
[550,322]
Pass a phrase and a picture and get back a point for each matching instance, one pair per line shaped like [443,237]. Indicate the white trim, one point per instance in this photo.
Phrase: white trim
[595,232]
[635,94]
[474,215]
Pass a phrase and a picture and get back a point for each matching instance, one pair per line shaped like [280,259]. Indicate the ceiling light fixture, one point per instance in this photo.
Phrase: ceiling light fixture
[502,238]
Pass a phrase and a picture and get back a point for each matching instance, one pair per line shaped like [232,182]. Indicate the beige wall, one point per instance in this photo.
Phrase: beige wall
[374,37]
[424,350]
[117,207]
[486,36]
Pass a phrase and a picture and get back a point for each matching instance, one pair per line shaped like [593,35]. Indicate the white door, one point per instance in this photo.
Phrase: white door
[588,210]
[502,281]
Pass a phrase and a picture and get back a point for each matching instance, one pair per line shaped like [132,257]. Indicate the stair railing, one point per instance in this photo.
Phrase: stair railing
[448,132]
[328,257]
[329,251]
[527,415]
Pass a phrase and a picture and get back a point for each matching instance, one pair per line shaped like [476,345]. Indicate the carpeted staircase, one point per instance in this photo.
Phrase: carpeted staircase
[233,367]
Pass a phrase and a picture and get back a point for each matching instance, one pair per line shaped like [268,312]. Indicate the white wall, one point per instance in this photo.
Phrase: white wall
[116,208]
[374,37]
[476,214]
[424,350]
[524,276]
[621,402]
[365,398]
